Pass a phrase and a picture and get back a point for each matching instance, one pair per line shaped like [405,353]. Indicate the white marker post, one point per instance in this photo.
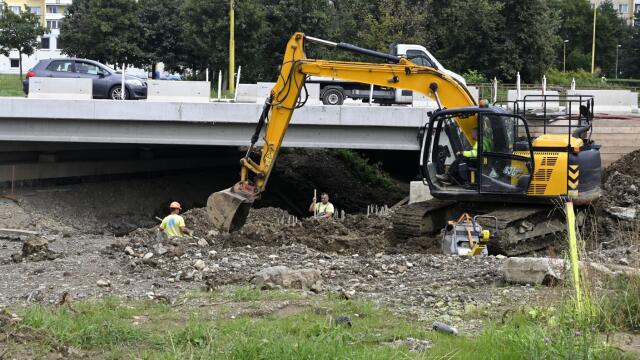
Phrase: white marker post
[123,88]
[495,91]
[206,75]
[371,95]
[220,85]
[544,85]
[518,89]
[235,92]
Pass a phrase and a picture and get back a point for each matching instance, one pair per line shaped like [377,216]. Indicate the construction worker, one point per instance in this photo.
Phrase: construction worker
[324,208]
[487,144]
[173,225]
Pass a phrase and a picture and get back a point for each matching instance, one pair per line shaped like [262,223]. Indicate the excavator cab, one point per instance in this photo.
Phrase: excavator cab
[477,152]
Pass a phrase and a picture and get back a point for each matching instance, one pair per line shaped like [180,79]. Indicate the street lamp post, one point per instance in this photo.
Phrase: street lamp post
[232,47]
[617,49]
[564,56]
[593,41]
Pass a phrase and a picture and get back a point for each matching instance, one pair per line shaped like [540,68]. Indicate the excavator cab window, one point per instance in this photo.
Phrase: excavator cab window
[504,154]
[499,163]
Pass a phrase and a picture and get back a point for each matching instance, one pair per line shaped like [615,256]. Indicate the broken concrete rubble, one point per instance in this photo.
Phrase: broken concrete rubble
[35,245]
[282,277]
[549,271]
[622,213]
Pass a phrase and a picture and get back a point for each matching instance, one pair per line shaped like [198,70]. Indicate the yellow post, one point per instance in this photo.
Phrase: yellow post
[573,254]
[593,43]
[232,51]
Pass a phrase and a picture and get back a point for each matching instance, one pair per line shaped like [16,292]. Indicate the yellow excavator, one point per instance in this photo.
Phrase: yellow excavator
[476,159]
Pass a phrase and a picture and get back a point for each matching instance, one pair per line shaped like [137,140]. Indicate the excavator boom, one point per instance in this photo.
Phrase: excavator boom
[228,209]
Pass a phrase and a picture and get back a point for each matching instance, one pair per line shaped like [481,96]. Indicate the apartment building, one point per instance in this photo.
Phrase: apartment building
[627,9]
[51,13]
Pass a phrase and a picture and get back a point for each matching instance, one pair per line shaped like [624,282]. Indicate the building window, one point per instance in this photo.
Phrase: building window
[45,43]
[52,9]
[35,10]
[15,63]
[623,8]
[52,24]
[15,9]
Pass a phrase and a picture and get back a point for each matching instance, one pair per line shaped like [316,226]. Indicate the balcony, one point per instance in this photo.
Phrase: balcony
[56,16]
[58,2]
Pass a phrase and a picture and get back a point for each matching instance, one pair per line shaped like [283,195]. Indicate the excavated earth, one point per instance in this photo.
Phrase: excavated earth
[356,256]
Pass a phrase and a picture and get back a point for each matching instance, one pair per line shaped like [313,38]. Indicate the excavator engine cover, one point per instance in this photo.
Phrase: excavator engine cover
[228,211]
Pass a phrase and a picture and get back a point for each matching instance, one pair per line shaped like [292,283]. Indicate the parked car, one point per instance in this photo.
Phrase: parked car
[107,83]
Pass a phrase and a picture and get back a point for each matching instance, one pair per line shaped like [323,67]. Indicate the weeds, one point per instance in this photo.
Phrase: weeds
[619,306]
[359,165]
[10,85]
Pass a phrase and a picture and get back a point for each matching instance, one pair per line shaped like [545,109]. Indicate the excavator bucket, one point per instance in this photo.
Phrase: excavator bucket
[228,211]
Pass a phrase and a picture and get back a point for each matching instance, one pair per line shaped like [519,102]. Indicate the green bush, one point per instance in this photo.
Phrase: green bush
[583,78]
[474,77]
[371,174]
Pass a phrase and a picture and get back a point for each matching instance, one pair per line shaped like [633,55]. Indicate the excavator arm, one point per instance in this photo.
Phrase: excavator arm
[228,209]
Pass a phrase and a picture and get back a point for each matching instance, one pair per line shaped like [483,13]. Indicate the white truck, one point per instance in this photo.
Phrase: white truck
[334,92]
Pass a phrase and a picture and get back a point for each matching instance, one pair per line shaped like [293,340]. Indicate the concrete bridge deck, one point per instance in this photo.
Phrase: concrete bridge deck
[31,122]
[227,124]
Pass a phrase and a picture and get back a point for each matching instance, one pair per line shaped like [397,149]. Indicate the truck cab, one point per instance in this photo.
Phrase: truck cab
[421,56]
[335,92]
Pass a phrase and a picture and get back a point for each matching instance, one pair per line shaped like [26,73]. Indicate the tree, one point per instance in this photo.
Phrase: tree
[466,34]
[630,53]
[528,39]
[108,31]
[19,32]
[162,37]
[576,25]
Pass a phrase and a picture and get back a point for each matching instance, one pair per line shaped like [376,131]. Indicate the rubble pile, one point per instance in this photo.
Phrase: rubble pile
[355,233]
[35,249]
[618,209]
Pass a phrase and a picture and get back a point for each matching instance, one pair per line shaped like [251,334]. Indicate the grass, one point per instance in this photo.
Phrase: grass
[10,85]
[359,165]
[114,328]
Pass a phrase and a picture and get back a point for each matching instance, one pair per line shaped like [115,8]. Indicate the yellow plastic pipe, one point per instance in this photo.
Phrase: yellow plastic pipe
[573,254]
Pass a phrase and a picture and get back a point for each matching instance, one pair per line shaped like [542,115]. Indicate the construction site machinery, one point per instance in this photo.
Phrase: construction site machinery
[477,159]
[466,237]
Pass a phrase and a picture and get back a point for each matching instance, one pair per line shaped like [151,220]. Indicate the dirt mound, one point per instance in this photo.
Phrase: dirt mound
[299,171]
[275,227]
[617,210]
[354,234]
[629,165]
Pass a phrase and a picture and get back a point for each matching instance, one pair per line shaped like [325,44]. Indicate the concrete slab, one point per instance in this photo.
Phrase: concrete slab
[247,93]
[60,88]
[534,99]
[182,91]
[419,192]
[611,101]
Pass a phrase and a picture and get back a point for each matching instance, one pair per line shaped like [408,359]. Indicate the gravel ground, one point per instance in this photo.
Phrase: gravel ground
[428,286]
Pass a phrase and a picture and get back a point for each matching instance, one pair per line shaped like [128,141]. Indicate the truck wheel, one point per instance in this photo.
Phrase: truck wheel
[333,96]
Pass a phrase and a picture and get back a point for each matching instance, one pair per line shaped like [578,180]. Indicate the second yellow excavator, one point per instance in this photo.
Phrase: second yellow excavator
[477,159]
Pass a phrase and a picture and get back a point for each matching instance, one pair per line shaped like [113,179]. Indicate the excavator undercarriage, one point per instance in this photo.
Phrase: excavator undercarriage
[521,228]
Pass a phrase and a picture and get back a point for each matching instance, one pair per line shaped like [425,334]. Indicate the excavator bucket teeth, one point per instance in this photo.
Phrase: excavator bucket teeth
[228,211]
